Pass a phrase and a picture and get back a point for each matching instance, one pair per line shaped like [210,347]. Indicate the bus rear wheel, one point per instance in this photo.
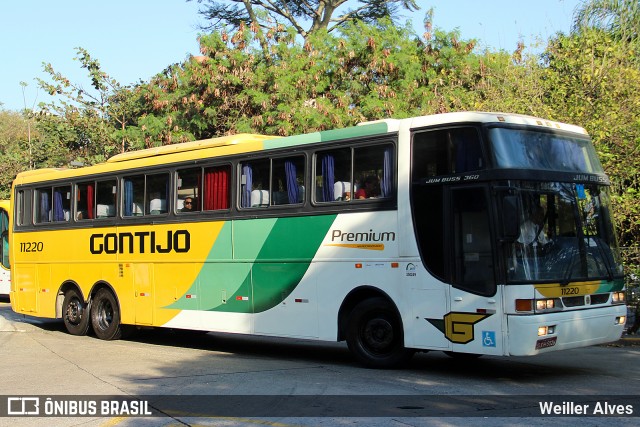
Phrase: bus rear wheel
[75,313]
[105,316]
[375,335]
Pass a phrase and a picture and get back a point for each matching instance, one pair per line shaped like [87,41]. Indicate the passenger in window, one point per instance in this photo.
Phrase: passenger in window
[187,205]
[369,189]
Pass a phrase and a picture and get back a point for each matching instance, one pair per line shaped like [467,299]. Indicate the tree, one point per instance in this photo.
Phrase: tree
[13,146]
[330,80]
[306,16]
[617,24]
[92,123]
[618,17]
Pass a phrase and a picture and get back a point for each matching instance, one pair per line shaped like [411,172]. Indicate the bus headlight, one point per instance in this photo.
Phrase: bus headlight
[546,330]
[543,305]
[618,298]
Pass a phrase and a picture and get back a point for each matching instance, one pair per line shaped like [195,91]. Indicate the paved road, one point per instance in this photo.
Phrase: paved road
[40,358]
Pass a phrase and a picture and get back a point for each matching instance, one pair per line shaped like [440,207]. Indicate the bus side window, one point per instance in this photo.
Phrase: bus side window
[287,181]
[446,152]
[157,193]
[333,175]
[106,197]
[43,204]
[254,184]
[373,171]
[61,204]
[133,196]
[188,188]
[85,200]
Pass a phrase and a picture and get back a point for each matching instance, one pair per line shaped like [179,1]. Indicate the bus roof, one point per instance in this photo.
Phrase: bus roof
[475,117]
[243,143]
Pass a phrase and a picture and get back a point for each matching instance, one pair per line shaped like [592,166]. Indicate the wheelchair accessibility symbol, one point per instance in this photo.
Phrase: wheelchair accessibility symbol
[488,338]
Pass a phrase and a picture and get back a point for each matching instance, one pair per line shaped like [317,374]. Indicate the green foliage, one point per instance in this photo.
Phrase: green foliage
[13,137]
[591,79]
[619,18]
[317,15]
[87,125]
[326,81]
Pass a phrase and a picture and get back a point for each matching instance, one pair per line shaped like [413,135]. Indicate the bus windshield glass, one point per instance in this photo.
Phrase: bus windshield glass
[565,234]
[528,149]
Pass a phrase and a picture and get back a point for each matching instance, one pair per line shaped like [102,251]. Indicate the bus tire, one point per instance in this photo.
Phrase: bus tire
[375,335]
[75,313]
[105,316]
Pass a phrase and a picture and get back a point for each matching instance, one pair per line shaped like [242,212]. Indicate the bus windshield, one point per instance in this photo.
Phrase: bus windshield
[529,149]
[565,234]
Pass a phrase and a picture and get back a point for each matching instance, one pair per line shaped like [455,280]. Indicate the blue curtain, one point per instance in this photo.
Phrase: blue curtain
[385,185]
[328,178]
[58,212]
[293,191]
[247,172]
[45,207]
[128,197]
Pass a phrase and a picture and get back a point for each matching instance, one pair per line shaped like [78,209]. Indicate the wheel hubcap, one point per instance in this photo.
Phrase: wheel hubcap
[74,312]
[106,315]
[378,334]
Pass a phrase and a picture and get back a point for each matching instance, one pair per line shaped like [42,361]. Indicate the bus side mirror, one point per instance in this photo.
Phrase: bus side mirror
[510,222]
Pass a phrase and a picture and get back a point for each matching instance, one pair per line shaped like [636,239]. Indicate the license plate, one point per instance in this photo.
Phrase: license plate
[546,343]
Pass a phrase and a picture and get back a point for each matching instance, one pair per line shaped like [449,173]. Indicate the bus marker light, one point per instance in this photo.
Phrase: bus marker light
[303,300]
[395,265]
[358,265]
[190,296]
[240,298]
[524,305]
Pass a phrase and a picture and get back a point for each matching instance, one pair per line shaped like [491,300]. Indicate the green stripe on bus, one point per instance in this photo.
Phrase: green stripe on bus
[329,135]
[273,254]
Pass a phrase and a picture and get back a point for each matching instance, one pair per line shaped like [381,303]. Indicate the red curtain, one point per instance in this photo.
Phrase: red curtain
[90,199]
[216,189]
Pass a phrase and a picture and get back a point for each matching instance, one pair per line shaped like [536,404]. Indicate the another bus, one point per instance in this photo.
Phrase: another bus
[471,233]
[5,272]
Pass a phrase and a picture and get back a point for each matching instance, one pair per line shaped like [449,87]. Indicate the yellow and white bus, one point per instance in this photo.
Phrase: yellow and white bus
[395,235]
[5,272]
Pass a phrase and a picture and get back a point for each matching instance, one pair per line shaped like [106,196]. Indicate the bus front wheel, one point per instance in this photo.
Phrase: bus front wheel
[75,313]
[375,335]
[105,315]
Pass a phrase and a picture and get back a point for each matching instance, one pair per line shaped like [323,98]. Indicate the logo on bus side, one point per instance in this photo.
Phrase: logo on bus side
[178,241]
[458,327]
[362,240]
